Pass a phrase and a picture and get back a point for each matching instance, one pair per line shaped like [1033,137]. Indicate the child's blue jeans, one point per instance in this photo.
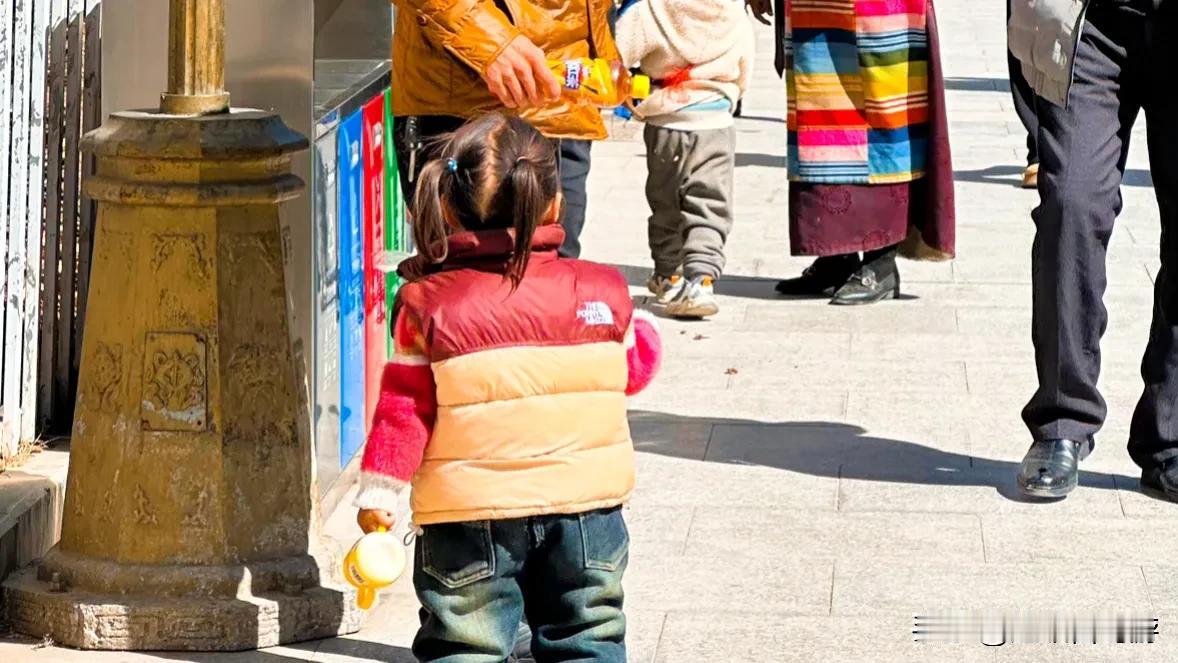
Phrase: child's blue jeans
[477,580]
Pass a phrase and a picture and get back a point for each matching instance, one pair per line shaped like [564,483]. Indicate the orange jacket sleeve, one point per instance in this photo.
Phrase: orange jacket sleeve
[475,32]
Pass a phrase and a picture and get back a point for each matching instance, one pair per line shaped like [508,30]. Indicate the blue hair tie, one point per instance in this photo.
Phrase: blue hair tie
[452,165]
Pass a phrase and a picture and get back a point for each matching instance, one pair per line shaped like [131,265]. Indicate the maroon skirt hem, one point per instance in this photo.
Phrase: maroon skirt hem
[836,219]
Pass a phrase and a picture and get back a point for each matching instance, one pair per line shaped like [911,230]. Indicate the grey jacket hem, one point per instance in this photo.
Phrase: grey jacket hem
[1043,35]
[1050,89]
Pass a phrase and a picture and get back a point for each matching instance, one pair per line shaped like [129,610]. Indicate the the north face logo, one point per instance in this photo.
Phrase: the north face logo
[595,313]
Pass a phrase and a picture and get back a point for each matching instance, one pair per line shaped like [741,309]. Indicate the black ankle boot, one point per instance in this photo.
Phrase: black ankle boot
[876,280]
[823,275]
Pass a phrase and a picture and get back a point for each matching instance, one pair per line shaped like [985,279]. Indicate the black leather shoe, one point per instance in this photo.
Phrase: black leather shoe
[1051,468]
[873,282]
[1161,482]
[822,276]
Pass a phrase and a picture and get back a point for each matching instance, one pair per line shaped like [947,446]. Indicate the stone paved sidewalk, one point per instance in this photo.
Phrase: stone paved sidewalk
[810,477]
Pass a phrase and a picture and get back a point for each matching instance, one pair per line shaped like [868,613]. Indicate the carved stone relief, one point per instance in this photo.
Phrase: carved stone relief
[144,512]
[105,377]
[175,383]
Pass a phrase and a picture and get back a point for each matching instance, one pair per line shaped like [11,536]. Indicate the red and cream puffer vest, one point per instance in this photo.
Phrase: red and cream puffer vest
[505,404]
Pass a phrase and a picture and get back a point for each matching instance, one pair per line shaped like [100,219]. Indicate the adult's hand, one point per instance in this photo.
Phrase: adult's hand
[760,9]
[520,76]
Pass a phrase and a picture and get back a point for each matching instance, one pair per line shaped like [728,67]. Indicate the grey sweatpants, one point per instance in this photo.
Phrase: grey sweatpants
[689,187]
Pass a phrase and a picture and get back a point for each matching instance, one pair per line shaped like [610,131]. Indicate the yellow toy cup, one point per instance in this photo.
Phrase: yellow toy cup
[373,563]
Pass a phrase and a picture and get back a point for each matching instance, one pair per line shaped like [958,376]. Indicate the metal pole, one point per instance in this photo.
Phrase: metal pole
[196,59]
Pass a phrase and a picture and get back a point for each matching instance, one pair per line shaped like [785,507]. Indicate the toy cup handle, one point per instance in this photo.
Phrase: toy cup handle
[365,596]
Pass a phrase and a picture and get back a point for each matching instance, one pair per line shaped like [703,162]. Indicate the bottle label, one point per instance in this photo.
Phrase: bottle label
[572,75]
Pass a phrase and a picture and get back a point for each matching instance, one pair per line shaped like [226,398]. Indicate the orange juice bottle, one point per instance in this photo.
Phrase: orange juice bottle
[599,82]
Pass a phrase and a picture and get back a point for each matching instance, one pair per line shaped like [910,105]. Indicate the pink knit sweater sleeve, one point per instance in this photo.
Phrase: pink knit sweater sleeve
[403,422]
[644,352]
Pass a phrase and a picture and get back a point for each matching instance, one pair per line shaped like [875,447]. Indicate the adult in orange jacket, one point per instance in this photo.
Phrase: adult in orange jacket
[455,59]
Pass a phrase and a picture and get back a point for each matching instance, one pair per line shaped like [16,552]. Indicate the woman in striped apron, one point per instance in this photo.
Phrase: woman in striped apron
[870,171]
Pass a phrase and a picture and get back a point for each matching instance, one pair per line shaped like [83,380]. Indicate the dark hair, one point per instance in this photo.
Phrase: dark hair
[494,172]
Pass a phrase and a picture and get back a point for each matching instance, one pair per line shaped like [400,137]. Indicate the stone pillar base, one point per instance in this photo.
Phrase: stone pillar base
[189,522]
[85,620]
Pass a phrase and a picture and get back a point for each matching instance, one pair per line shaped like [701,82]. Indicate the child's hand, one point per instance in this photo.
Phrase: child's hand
[370,520]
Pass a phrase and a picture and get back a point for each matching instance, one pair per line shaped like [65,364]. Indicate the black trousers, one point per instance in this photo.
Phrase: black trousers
[1124,64]
[1024,101]
[573,160]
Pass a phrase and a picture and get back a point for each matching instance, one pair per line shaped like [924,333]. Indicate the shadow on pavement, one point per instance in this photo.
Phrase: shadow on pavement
[746,159]
[977,84]
[260,656]
[839,450]
[1012,176]
[742,287]
[762,118]
[363,650]
[20,648]
[746,287]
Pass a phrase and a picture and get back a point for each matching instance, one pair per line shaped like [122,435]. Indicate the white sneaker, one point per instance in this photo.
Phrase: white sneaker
[665,288]
[695,299]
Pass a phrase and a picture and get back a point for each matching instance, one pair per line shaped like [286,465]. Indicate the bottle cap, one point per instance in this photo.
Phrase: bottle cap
[640,87]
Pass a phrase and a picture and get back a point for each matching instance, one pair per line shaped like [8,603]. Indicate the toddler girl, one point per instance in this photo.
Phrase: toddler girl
[504,406]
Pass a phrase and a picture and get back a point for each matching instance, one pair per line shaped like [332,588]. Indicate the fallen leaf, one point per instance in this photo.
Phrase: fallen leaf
[731,371]
[699,337]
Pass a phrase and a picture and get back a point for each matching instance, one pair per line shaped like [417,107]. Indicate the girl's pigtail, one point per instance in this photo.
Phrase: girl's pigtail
[429,220]
[529,204]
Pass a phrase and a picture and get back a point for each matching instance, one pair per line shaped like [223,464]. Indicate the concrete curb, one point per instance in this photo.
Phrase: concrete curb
[31,502]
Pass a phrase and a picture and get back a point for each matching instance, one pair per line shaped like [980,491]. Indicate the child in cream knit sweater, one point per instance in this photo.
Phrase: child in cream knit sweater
[700,54]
